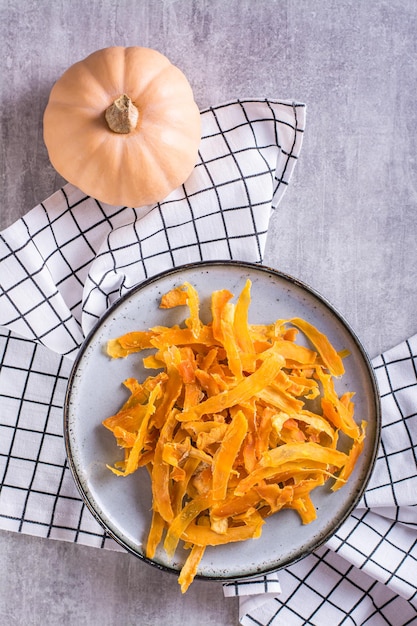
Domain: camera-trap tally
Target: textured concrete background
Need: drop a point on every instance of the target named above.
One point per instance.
(347, 224)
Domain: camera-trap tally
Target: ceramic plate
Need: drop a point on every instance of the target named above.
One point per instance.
(122, 505)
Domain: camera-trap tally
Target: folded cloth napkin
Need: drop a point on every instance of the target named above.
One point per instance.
(69, 258)
(65, 262)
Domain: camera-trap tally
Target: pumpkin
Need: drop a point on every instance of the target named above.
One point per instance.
(122, 125)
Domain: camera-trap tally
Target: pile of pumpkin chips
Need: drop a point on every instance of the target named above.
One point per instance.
(225, 425)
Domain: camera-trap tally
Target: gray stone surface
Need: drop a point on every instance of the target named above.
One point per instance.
(347, 224)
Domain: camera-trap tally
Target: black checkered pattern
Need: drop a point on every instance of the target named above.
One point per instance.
(38, 495)
(326, 589)
(266, 584)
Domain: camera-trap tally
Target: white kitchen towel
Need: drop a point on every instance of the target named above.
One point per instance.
(69, 258)
(254, 593)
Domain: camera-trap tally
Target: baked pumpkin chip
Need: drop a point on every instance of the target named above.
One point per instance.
(238, 422)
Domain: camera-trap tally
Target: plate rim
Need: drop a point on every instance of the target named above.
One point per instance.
(197, 265)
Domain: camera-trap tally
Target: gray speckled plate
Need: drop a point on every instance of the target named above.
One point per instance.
(123, 504)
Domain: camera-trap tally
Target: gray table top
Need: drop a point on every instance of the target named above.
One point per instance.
(347, 224)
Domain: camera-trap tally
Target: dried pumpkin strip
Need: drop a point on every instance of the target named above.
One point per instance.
(135, 388)
(225, 455)
(286, 471)
(129, 343)
(173, 298)
(132, 411)
(193, 303)
(248, 450)
(127, 418)
(303, 452)
(153, 361)
(208, 382)
(303, 386)
(205, 361)
(275, 496)
(314, 421)
(332, 412)
(305, 508)
(180, 523)
(190, 567)
(173, 453)
(240, 322)
(139, 446)
(182, 337)
(277, 397)
(184, 294)
(219, 299)
(192, 395)
(229, 340)
(217, 434)
(172, 388)
(244, 390)
(291, 432)
(296, 353)
(187, 364)
(196, 427)
(205, 536)
(263, 428)
(234, 505)
(305, 484)
(339, 413)
(155, 534)
(320, 341)
(160, 480)
(353, 456)
(134, 455)
(180, 488)
(124, 438)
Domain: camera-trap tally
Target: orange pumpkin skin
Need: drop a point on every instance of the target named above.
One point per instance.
(135, 168)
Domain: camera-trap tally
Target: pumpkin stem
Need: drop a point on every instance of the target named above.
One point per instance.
(122, 115)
